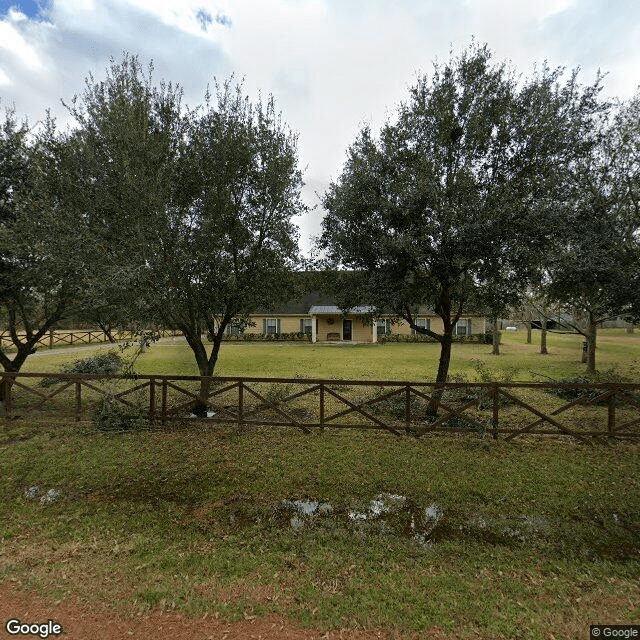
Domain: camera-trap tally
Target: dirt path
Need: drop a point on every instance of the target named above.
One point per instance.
(79, 622)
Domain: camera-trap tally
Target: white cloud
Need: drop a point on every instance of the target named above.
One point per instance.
(332, 65)
(4, 78)
(16, 45)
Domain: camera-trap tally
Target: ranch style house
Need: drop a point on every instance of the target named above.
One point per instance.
(327, 322)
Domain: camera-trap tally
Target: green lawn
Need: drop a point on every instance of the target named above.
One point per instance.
(390, 361)
(532, 539)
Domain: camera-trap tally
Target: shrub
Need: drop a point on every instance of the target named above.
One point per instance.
(484, 374)
(276, 392)
(481, 338)
(111, 415)
(296, 336)
(396, 406)
(611, 375)
(107, 363)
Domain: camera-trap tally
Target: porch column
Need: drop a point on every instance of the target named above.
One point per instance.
(314, 337)
(375, 331)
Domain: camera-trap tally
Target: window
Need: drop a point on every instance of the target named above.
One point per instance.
(270, 326)
(383, 327)
(425, 323)
(234, 328)
(305, 325)
(463, 328)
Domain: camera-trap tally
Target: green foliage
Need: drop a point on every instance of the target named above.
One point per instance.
(593, 268)
(611, 375)
(449, 207)
(111, 415)
(196, 208)
(481, 338)
(102, 363)
(44, 233)
(296, 336)
(276, 392)
(484, 374)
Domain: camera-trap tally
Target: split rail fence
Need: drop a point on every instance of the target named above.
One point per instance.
(54, 338)
(502, 410)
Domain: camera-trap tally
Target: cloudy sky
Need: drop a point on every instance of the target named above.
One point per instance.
(332, 65)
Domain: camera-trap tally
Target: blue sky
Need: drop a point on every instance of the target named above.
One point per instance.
(332, 65)
(29, 7)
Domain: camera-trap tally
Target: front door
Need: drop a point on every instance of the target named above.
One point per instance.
(346, 329)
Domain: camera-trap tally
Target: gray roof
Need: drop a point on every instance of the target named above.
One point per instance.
(329, 309)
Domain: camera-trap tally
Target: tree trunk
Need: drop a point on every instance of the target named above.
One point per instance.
(630, 327)
(543, 337)
(591, 347)
(12, 366)
(443, 373)
(206, 364)
(528, 332)
(496, 338)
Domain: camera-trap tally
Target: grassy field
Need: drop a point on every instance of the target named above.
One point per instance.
(479, 539)
(390, 361)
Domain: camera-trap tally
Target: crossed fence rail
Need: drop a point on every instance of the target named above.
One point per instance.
(54, 338)
(600, 411)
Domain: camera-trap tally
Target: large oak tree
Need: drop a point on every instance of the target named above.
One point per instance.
(452, 205)
(195, 206)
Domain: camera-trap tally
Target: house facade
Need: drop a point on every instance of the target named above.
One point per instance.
(328, 323)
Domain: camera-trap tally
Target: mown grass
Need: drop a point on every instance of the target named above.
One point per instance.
(188, 519)
(390, 361)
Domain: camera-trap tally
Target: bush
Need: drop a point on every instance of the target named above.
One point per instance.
(111, 415)
(276, 392)
(480, 338)
(396, 406)
(611, 375)
(108, 363)
(296, 336)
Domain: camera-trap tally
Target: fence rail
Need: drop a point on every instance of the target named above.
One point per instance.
(53, 338)
(504, 410)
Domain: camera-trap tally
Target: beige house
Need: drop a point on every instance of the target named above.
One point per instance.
(328, 323)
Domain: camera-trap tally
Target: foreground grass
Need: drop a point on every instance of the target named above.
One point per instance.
(391, 361)
(189, 520)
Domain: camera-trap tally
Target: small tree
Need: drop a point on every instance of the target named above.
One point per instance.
(594, 272)
(229, 246)
(42, 234)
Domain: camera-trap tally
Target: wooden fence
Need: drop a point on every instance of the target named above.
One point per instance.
(502, 410)
(53, 338)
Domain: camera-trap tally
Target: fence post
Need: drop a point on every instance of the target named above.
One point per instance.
(322, 406)
(611, 415)
(8, 400)
(407, 409)
(78, 400)
(50, 338)
(240, 403)
(496, 405)
(164, 400)
(152, 401)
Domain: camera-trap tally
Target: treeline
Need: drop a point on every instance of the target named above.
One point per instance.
(484, 188)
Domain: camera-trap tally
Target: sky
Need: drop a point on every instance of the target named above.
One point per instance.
(332, 66)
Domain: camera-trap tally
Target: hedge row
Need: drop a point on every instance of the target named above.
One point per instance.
(296, 336)
(480, 338)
